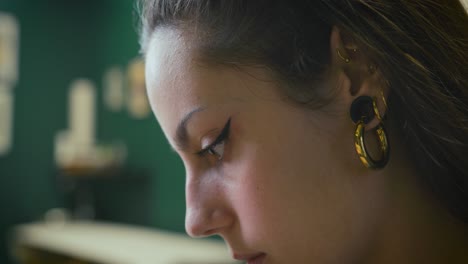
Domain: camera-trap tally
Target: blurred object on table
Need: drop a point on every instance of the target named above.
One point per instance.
(114, 194)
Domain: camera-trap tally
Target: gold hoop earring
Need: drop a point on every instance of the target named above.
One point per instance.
(376, 110)
(361, 149)
(362, 112)
(347, 60)
(383, 99)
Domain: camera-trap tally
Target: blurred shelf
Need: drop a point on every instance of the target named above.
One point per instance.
(100, 242)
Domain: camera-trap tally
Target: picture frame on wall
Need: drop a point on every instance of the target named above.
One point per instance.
(9, 46)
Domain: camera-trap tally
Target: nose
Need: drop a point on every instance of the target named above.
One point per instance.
(207, 212)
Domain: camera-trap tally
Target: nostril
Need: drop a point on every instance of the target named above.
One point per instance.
(210, 232)
(197, 230)
(199, 224)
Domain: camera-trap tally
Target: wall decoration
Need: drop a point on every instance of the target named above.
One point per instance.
(6, 119)
(9, 44)
(113, 84)
(137, 103)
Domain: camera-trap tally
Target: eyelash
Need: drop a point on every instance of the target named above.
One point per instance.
(223, 136)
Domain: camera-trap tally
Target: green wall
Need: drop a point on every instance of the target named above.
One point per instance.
(59, 42)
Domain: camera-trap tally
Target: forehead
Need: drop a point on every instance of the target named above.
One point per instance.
(179, 82)
(168, 63)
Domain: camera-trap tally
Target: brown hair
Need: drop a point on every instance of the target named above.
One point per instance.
(420, 46)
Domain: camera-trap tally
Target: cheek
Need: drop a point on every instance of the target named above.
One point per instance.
(283, 188)
(265, 188)
(248, 191)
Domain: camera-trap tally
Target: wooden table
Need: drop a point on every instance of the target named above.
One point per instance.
(106, 243)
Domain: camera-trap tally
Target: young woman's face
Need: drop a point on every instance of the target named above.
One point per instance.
(273, 179)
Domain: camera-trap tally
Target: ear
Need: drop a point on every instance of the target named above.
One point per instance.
(363, 77)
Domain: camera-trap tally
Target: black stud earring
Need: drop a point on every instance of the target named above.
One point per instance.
(362, 109)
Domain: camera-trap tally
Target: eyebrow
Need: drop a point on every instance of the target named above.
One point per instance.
(181, 136)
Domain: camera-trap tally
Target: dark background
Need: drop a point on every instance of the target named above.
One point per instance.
(59, 42)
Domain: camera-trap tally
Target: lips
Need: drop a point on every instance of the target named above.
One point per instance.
(257, 258)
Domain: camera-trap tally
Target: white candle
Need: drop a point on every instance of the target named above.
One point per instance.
(82, 113)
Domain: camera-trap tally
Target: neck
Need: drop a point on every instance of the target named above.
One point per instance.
(416, 228)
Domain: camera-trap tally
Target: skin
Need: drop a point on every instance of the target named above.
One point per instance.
(289, 183)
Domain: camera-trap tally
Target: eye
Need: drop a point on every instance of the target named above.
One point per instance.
(217, 147)
(217, 150)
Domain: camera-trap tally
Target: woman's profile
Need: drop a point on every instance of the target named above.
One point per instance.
(317, 131)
